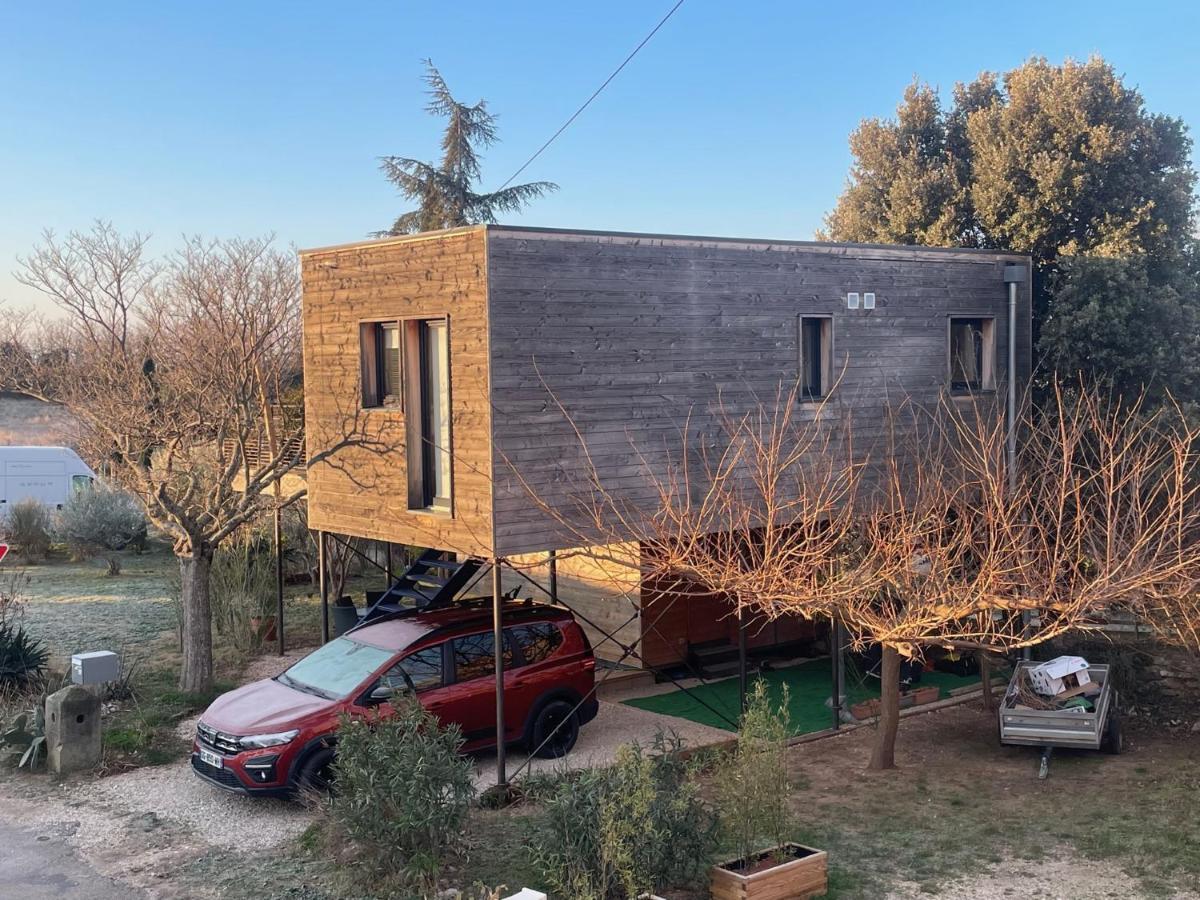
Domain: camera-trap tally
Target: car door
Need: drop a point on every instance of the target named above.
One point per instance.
(537, 671)
(471, 699)
(422, 672)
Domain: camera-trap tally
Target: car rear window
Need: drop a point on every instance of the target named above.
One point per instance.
(537, 640)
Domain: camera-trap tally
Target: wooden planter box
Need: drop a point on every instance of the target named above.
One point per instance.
(869, 709)
(925, 695)
(804, 875)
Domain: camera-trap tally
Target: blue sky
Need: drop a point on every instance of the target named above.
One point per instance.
(255, 117)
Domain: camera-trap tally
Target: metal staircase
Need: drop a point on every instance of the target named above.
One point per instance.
(430, 582)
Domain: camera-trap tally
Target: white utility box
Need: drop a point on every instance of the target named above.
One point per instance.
(96, 667)
(1059, 674)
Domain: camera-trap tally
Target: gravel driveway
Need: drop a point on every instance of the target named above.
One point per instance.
(599, 740)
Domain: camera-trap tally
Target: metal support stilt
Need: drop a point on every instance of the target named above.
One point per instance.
(387, 565)
(837, 641)
(553, 576)
(498, 634)
(323, 585)
(279, 579)
(741, 624)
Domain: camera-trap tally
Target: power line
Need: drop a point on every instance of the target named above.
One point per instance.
(588, 101)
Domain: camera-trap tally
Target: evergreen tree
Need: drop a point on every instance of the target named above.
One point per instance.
(444, 193)
(1058, 162)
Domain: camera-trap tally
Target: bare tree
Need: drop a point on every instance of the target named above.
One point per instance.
(923, 538)
(175, 370)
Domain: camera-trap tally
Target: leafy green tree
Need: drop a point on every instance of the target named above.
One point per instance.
(1054, 161)
(1105, 309)
(444, 193)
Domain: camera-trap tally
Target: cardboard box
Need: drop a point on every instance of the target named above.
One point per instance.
(1059, 674)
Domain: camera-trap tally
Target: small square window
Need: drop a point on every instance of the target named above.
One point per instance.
(816, 356)
(382, 382)
(972, 354)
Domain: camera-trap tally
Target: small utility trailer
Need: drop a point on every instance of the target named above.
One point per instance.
(1099, 729)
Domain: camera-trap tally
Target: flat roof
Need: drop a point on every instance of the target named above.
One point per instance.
(542, 232)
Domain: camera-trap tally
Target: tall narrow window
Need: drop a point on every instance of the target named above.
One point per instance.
(381, 365)
(427, 376)
(972, 354)
(816, 356)
(390, 362)
(435, 407)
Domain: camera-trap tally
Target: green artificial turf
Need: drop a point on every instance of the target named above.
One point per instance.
(808, 683)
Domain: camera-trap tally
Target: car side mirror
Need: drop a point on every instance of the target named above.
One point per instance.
(381, 693)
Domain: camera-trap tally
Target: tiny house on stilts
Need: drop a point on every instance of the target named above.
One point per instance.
(499, 371)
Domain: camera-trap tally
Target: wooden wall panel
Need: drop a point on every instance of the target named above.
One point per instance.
(636, 337)
(362, 490)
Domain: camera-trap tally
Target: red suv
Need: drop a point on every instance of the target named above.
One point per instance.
(275, 735)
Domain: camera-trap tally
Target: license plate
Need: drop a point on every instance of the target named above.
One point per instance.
(212, 759)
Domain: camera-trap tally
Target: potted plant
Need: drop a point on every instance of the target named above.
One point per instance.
(753, 800)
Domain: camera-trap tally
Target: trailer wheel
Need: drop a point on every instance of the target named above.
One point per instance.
(1113, 741)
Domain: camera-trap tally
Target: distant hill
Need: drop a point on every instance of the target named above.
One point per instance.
(24, 420)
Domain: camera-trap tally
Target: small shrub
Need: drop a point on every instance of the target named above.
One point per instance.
(752, 786)
(242, 587)
(402, 795)
(12, 596)
(23, 659)
(101, 520)
(27, 528)
(634, 827)
(23, 740)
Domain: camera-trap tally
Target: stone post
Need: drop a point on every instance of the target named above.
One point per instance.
(72, 730)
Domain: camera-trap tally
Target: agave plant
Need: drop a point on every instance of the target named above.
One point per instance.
(24, 739)
(23, 658)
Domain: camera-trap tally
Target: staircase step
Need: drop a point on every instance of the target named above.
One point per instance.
(714, 652)
(723, 669)
(413, 593)
(445, 564)
(433, 580)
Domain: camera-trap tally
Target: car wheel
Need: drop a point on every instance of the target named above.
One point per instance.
(317, 772)
(555, 730)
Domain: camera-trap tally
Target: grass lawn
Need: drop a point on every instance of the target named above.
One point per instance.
(74, 606)
(808, 687)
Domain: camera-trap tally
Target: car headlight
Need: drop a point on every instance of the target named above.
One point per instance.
(259, 741)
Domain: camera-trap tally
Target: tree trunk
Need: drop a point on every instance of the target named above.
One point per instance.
(884, 754)
(196, 675)
(985, 673)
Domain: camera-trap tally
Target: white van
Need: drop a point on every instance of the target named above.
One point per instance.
(46, 474)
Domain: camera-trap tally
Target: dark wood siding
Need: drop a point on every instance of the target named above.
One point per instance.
(364, 491)
(633, 335)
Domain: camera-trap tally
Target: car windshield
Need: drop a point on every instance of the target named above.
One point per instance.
(336, 669)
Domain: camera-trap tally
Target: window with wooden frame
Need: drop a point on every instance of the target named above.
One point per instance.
(426, 346)
(816, 356)
(971, 354)
(382, 366)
